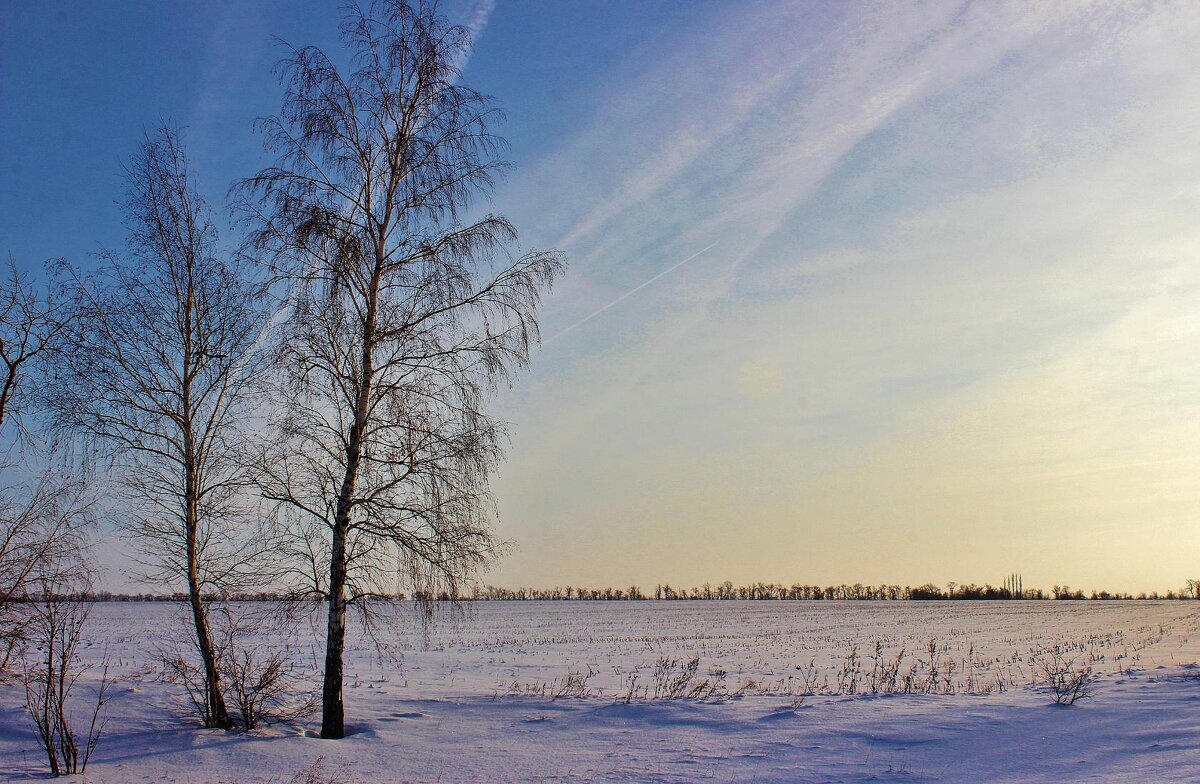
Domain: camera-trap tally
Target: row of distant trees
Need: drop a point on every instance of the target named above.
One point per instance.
(724, 591)
(798, 592)
(306, 406)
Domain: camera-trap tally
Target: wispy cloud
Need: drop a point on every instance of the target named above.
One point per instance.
(474, 17)
(954, 279)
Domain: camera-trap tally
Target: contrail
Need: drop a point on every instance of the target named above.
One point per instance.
(626, 295)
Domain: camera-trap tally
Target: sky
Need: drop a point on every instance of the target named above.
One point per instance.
(858, 292)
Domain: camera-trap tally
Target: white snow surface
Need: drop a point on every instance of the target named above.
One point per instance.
(471, 700)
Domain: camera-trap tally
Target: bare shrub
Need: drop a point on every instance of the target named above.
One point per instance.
(934, 675)
(316, 773)
(51, 677)
(810, 678)
(573, 684)
(631, 688)
(711, 687)
(849, 673)
(672, 679)
(1068, 681)
(262, 688)
(178, 670)
(885, 670)
(259, 687)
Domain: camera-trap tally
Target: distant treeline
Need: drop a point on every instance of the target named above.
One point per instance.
(725, 591)
(1011, 589)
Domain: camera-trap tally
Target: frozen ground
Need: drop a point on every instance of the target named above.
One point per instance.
(473, 700)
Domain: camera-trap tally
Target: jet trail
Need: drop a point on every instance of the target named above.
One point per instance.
(626, 295)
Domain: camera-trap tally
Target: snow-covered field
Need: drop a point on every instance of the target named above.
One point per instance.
(782, 691)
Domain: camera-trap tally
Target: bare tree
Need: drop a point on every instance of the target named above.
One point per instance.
(43, 515)
(160, 377)
(401, 316)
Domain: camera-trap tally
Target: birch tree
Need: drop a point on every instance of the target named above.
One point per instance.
(402, 316)
(160, 378)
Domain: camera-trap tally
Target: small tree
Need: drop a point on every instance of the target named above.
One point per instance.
(160, 376)
(397, 324)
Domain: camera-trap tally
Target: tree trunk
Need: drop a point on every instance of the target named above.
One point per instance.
(333, 713)
(218, 714)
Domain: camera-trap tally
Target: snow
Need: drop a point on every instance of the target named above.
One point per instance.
(445, 705)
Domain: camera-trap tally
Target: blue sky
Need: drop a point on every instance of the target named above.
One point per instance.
(82, 81)
(943, 325)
